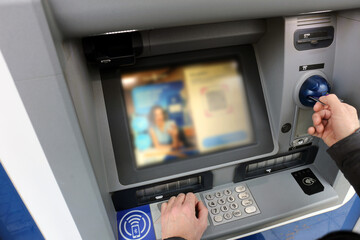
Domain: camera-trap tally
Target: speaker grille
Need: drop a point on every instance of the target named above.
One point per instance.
(313, 20)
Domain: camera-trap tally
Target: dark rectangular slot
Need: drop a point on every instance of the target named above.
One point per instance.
(134, 197)
(313, 38)
(166, 190)
(281, 162)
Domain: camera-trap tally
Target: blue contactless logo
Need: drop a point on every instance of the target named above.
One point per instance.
(135, 224)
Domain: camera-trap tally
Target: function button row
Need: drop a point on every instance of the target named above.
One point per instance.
(250, 209)
(240, 189)
(243, 195)
(247, 202)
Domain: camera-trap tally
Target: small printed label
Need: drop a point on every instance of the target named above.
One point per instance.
(311, 67)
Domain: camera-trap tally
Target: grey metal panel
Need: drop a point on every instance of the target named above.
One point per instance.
(29, 51)
(52, 115)
(346, 71)
(205, 36)
(270, 57)
(79, 80)
(86, 17)
(20, 40)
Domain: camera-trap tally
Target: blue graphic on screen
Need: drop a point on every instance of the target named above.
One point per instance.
(165, 95)
(135, 224)
(223, 139)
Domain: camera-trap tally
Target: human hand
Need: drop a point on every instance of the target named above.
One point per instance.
(178, 217)
(334, 121)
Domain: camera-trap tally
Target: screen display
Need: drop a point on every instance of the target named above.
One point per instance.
(183, 111)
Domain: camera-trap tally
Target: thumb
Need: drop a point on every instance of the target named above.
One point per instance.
(332, 101)
(202, 213)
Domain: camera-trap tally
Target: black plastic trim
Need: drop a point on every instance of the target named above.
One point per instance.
(316, 38)
(127, 198)
(308, 157)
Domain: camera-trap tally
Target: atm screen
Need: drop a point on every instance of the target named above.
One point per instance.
(183, 111)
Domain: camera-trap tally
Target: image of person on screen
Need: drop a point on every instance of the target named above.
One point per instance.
(164, 132)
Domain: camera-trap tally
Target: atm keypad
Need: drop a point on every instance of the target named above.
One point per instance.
(230, 204)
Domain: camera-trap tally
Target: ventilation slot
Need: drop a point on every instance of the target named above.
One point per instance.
(313, 20)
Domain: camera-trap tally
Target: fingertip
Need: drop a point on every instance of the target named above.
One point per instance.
(171, 201)
(190, 199)
(317, 107)
(180, 199)
(316, 118)
(163, 207)
(311, 130)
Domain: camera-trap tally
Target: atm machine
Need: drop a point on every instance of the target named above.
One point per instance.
(134, 102)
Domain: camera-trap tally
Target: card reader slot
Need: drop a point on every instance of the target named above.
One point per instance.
(316, 39)
(313, 38)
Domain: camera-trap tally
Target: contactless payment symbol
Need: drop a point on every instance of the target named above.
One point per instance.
(135, 224)
(308, 181)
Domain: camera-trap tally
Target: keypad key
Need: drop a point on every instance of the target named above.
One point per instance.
(250, 209)
(211, 204)
(209, 196)
(218, 194)
(227, 216)
(221, 201)
(240, 189)
(215, 211)
(243, 195)
(237, 213)
(234, 206)
(218, 218)
(230, 199)
(247, 202)
(227, 192)
(224, 208)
